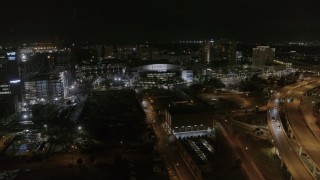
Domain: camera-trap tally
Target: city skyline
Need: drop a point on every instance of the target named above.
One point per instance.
(180, 111)
(139, 21)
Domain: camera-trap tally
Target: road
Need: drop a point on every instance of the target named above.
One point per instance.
(293, 162)
(307, 110)
(239, 150)
(251, 129)
(167, 149)
(309, 142)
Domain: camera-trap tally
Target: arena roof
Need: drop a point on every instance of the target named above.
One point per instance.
(154, 65)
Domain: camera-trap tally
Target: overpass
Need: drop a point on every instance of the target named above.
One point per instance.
(289, 157)
(300, 129)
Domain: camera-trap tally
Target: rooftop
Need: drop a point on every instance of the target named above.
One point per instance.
(187, 108)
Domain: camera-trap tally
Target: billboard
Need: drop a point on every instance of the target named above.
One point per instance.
(11, 56)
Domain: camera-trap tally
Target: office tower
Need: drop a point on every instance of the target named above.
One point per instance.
(221, 51)
(225, 51)
(262, 55)
(10, 87)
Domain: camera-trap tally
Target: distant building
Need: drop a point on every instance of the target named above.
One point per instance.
(10, 83)
(44, 47)
(145, 52)
(262, 55)
(8, 100)
(3, 61)
(220, 51)
(187, 75)
(26, 53)
(154, 73)
(208, 51)
(238, 55)
(225, 51)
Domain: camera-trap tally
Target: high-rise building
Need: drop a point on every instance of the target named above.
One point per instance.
(44, 58)
(10, 87)
(145, 52)
(225, 50)
(3, 60)
(219, 51)
(262, 55)
(208, 51)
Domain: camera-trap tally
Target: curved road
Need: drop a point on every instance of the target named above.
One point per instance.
(293, 162)
(309, 142)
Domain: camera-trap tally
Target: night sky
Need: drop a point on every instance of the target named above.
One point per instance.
(159, 20)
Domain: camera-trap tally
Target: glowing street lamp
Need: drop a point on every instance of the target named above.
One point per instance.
(73, 148)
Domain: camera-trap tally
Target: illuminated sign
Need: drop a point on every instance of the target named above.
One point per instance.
(11, 56)
(15, 81)
(159, 67)
(11, 53)
(5, 89)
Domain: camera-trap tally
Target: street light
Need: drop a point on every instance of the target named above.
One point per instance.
(73, 149)
(79, 128)
(45, 126)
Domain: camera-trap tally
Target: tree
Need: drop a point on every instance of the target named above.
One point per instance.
(250, 86)
(92, 158)
(255, 78)
(79, 161)
(197, 87)
(204, 78)
(214, 83)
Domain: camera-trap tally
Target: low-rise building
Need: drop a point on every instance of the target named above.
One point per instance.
(183, 120)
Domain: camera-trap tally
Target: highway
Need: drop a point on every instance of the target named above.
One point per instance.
(248, 166)
(307, 110)
(309, 142)
(166, 149)
(293, 162)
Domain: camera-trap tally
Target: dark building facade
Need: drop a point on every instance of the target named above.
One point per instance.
(10, 83)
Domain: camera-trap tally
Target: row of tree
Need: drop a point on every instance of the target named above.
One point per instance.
(252, 84)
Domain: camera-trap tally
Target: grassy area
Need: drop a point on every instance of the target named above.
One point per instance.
(253, 119)
(262, 153)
